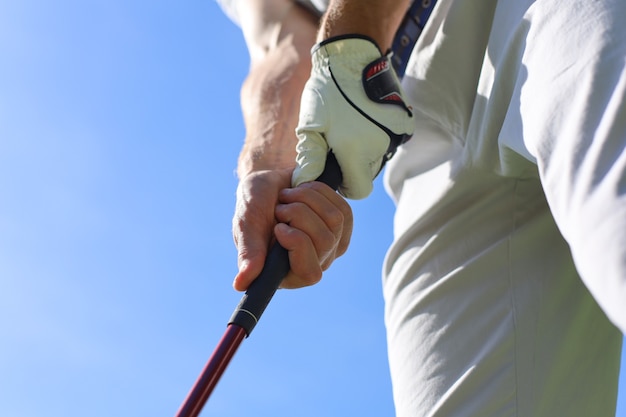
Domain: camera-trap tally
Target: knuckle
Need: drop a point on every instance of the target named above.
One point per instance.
(311, 277)
(237, 226)
(326, 240)
(346, 209)
(287, 212)
(335, 219)
(281, 211)
(327, 262)
(341, 249)
(294, 280)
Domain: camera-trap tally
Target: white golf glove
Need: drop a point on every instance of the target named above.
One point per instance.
(353, 106)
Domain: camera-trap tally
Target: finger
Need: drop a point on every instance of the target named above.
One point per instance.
(302, 218)
(305, 265)
(252, 232)
(253, 223)
(360, 164)
(311, 159)
(251, 251)
(328, 205)
(341, 203)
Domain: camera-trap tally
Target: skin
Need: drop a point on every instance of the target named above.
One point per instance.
(377, 19)
(311, 221)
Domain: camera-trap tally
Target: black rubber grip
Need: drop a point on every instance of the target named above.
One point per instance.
(262, 289)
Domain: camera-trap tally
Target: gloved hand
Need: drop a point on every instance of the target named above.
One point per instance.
(353, 106)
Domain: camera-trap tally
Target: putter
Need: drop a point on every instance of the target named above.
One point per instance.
(257, 297)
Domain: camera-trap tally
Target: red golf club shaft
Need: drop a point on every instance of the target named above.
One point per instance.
(212, 371)
(261, 291)
(248, 312)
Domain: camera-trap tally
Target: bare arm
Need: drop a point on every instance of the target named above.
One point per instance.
(311, 221)
(378, 19)
(279, 36)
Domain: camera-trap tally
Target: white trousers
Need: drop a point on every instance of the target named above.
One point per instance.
(511, 190)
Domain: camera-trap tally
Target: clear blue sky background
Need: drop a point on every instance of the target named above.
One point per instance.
(119, 134)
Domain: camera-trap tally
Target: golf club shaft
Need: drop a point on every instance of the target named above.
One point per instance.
(261, 291)
(212, 371)
(248, 312)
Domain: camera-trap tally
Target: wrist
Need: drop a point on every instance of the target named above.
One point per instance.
(376, 19)
(257, 159)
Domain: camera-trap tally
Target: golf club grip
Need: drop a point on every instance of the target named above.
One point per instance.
(262, 289)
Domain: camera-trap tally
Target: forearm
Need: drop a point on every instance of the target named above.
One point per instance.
(377, 19)
(279, 36)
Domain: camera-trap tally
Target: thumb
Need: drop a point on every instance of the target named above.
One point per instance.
(251, 254)
(312, 150)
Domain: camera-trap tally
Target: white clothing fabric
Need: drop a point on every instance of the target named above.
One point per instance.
(230, 7)
(519, 141)
(512, 189)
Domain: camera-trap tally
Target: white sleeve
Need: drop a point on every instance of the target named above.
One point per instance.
(316, 6)
(574, 111)
(230, 7)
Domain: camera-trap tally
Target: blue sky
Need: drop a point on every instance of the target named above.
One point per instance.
(119, 135)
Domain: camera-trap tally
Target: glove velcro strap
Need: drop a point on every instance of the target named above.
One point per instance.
(362, 55)
(381, 84)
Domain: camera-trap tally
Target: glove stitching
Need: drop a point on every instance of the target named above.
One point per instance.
(395, 140)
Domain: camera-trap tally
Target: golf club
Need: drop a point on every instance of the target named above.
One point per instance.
(262, 289)
(248, 312)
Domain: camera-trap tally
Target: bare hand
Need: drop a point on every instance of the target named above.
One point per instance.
(311, 221)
